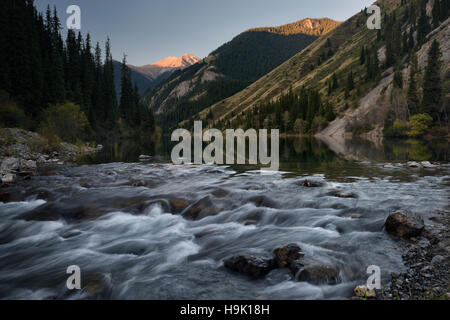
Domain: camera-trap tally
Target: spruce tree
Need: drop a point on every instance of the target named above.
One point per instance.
(432, 86)
(412, 97)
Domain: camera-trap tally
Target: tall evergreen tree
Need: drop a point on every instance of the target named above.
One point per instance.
(412, 97)
(432, 86)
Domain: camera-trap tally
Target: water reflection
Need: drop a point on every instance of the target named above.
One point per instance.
(295, 153)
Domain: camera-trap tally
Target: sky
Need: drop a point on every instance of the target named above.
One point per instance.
(150, 30)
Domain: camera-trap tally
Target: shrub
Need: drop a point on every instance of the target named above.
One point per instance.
(420, 124)
(11, 115)
(65, 121)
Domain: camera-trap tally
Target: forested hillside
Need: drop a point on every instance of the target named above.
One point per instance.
(47, 80)
(372, 79)
(230, 68)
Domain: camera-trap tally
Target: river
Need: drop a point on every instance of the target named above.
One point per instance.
(129, 225)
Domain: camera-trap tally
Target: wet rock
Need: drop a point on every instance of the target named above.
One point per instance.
(220, 193)
(319, 274)
(96, 284)
(388, 166)
(254, 267)
(343, 194)
(413, 164)
(138, 183)
(178, 205)
(10, 165)
(405, 224)
(263, 201)
(288, 254)
(428, 165)
(9, 178)
(201, 209)
(144, 157)
(311, 184)
(365, 292)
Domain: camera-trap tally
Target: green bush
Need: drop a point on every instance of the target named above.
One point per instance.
(11, 115)
(66, 122)
(420, 124)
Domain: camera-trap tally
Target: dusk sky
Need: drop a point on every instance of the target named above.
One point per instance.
(150, 30)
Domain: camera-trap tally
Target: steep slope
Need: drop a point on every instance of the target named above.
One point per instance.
(230, 69)
(364, 107)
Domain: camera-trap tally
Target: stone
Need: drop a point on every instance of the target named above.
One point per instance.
(405, 225)
(319, 274)
(263, 201)
(9, 178)
(28, 165)
(178, 205)
(201, 209)
(388, 166)
(343, 194)
(10, 165)
(428, 165)
(365, 292)
(311, 184)
(254, 267)
(138, 183)
(437, 259)
(286, 255)
(144, 157)
(413, 164)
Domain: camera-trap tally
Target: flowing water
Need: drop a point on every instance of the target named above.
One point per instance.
(127, 227)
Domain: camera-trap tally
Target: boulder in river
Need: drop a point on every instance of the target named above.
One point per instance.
(318, 274)
(288, 254)
(404, 224)
(255, 267)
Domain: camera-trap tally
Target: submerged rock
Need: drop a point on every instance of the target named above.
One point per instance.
(254, 267)
(263, 201)
(178, 205)
(311, 184)
(287, 255)
(343, 194)
(404, 224)
(319, 274)
(201, 209)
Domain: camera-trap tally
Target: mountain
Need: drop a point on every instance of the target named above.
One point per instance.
(149, 76)
(231, 68)
(363, 75)
(163, 68)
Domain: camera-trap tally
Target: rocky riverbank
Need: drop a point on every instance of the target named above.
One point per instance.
(427, 257)
(428, 261)
(22, 152)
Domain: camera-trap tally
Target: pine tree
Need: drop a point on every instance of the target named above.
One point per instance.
(436, 13)
(432, 86)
